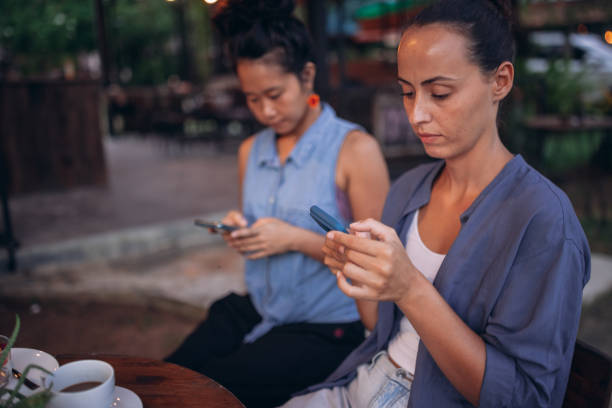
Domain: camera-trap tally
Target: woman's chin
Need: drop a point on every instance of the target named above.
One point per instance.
(435, 152)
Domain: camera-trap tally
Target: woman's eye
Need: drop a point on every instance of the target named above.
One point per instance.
(407, 94)
(252, 100)
(275, 96)
(440, 96)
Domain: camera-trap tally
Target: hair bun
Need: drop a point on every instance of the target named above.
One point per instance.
(237, 16)
(504, 7)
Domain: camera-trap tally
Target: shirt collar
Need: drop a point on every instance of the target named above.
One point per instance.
(423, 192)
(306, 143)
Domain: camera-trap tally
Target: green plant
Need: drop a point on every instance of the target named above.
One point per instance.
(12, 398)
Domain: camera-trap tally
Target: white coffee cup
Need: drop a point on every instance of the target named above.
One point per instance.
(6, 366)
(78, 372)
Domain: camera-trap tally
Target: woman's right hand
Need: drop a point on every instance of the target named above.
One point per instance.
(378, 267)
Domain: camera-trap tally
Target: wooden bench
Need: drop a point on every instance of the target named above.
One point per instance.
(590, 382)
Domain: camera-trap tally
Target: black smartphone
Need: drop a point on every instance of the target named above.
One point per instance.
(326, 221)
(215, 225)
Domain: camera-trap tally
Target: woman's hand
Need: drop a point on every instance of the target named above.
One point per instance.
(379, 268)
(234, 218)
(267, 236)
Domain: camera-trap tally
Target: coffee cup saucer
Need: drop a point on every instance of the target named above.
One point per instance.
(22, 357)
(124, 398)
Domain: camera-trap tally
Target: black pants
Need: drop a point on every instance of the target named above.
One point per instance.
(266, 372)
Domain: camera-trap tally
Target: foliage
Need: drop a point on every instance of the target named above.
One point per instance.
(557, 92)
(143, 37)
(43, 34)
(12, 398)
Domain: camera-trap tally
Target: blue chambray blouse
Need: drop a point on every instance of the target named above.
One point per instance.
(514, 275)
(293, 287)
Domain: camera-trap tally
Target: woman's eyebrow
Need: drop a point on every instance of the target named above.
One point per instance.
(428, 81)
(265, 91)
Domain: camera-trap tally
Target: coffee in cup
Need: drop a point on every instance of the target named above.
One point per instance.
(83, 383)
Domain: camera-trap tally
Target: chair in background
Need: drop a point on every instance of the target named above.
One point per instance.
(590, 382)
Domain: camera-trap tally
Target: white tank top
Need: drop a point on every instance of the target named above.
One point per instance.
(404, 346)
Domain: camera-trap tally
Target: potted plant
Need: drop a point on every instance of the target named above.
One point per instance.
(12, 398)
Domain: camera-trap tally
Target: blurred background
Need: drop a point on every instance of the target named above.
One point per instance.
(120, 121)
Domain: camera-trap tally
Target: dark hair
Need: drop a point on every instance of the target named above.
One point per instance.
(486, 24)
(256, 28)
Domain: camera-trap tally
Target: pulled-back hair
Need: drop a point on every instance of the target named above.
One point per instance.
(256, 28)
(486, 25)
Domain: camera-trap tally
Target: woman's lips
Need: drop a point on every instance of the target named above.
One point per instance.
(427, 137)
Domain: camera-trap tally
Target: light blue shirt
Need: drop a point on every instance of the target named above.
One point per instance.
(514, 275)
(293, 287)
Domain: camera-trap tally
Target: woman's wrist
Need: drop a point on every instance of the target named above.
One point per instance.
(293, 238)
(411, 298)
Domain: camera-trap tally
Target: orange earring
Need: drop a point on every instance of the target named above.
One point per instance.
(313, 100)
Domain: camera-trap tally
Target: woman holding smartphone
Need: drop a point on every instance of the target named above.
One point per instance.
(295, 325)
(477, 268)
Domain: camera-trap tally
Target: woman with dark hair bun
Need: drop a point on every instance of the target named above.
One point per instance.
(478, 265)
(295, 325)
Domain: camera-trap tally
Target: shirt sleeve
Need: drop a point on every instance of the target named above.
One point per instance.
(531, 331)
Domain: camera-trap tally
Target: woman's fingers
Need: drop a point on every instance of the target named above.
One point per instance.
(363, 277)
(235, 218)
(377, 229)
(353, 291)
(356, 243)
(257, 255)
(333, 263)
(249, 244)
(332, 251)
(243, 233)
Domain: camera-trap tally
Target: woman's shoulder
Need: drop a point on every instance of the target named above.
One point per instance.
(360, 143)
(245, 147)
(544, 210)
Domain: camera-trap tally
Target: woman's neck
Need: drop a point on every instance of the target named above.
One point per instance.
(308, 118)
(286, 142)
(464, 177)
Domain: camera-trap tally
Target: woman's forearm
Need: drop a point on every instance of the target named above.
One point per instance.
(368, 311)
(307, 242)
(461, 355)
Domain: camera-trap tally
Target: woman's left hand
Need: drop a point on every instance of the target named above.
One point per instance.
(267, 236)
(379, 268)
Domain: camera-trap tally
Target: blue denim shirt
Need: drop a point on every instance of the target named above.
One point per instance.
(514, 275)
(293, 287)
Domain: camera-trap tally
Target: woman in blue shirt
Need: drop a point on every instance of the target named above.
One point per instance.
(474, 277)
(295, 325)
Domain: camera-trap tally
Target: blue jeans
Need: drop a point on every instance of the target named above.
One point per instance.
(377, 385)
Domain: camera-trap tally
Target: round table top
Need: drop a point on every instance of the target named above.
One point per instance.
(162, 384)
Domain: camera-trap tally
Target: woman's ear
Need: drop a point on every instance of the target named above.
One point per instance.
(308, 75)
(503, 79)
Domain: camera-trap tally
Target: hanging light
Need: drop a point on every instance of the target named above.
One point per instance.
(210, 1)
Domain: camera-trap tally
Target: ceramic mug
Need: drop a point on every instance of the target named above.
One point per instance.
(82, 383)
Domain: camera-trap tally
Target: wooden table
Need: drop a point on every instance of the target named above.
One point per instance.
(161, 384)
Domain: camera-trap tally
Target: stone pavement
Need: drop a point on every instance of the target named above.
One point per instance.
(135, 239)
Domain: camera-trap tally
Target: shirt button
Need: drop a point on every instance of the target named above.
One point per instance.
(271, 200)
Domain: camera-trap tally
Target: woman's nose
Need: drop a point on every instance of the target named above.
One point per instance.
(420, 111)
(268, 109)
